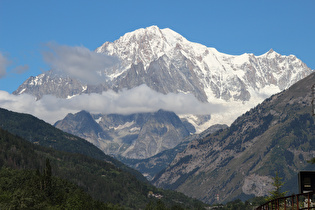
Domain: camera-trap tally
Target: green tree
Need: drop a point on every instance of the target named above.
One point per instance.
(47, 178)
(276, 193)
(160, 205)
(150, 206)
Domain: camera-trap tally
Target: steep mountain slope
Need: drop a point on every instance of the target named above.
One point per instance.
(168, 63)
(42, 133)
(278, 135)
(137, 136)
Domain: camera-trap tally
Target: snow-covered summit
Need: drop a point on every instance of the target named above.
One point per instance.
(150, 44)
(142, 45)
(168, 63)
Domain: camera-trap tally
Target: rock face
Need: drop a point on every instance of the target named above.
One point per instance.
(135, 136)
(150, 167)
(168, 63)
(51, 83)
(278, 135)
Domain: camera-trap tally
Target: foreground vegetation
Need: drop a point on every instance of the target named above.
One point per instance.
(28, 189)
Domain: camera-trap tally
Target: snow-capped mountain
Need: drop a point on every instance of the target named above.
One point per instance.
(168, 63)
(195, 68)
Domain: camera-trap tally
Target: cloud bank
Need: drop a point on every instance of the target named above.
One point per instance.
(139, 99)
(78, 62)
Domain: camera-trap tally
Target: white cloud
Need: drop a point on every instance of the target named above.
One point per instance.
(20, 69)
(78, 62)
(4, 62)
(139, 99)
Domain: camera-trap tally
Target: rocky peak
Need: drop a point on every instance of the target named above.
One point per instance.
(168, 63)
(142, 45)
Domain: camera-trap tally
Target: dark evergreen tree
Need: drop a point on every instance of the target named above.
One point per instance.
(47, 178)
(276, 193)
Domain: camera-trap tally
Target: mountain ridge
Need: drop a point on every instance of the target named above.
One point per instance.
(151, 166)
(240, 161)
(168, 63)
(138, 136)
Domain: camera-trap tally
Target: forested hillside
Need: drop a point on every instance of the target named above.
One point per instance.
(100, 179)
(39, 132)
(30, 189)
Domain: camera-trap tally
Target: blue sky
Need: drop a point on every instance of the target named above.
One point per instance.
(232, 27)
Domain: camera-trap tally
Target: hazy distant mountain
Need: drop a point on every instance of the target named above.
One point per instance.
(168, 63)
(152, 166)
(278, 135)
(136, 136)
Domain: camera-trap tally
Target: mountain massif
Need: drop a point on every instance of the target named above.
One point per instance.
(136, 136)
(166, 62)
(278, 135)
